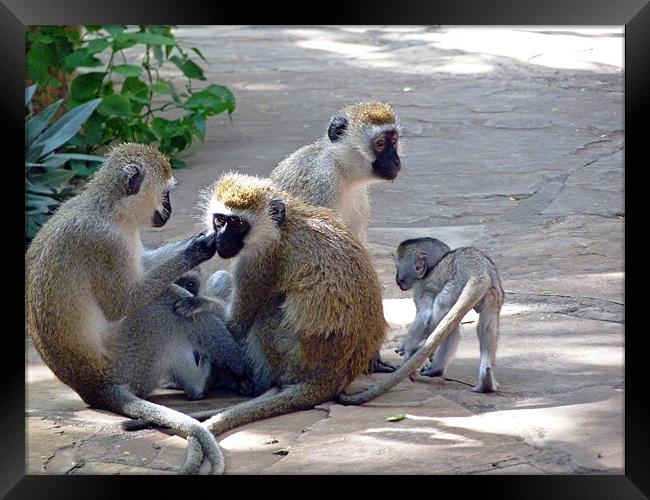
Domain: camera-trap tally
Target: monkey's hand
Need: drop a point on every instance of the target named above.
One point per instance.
(190, 306)
(201, 248)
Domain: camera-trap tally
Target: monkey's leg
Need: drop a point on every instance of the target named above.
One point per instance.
(467, 297)
(488, 332)
(289, 399)
(119, 400)
(443, 356)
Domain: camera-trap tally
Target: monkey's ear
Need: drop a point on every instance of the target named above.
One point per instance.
(134, 177)
(278, 211)
(420, 263)
(337, 128)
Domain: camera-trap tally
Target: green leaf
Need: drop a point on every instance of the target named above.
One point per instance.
(35, 200)
(93, 131)
(124, 41)
(81, 169)
(200, 54)
(37, 187)
(34, 153)
(76, 156)
(97, 45)
(38, 123)
(93, 27)
(176, 163)
(86, 86)
(66, 127)
(115, 105)
(81, 58)
(199, 125)
(212, 100)
(128, 69)
(188, 67)
(396, 418)
(163, 87)
(114, 30)
(153, 39)
(55, 178)
(29, 93)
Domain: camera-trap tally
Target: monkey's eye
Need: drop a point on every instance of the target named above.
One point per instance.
(239, 224)
(379, 143)
(394, 140)
(220, 219)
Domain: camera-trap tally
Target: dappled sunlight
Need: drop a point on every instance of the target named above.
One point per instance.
(559, 49)
(348, 49)
(245, 440)
(402, 311)
(422, 433)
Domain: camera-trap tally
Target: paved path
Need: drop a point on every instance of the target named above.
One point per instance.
(514, 143)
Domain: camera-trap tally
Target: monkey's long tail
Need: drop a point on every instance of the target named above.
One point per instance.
(289, 399)
(118, 400)
(468, 297)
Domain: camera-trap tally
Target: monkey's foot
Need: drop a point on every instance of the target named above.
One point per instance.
(486, 382)
(432, 371)
(379, 366)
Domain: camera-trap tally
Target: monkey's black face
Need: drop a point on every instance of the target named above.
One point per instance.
(387, 163)
(231, 231)
(160, 219)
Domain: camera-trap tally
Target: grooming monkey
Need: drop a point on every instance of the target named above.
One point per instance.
(360, 148)
(445, 291)
(305, 298)
(85, 278)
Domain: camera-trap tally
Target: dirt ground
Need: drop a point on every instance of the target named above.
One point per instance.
(513, 143)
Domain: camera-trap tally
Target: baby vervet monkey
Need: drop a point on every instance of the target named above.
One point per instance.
(446, 284)
(86, 282)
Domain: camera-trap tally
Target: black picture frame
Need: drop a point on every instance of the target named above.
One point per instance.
(15, 15)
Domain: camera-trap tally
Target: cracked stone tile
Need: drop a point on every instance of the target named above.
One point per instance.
(358, 439)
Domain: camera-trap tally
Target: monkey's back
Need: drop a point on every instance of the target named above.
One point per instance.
(308, 174)
(333, 301)
(58, 296)
(467, 262)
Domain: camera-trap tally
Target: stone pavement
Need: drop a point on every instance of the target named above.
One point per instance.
(513, 143)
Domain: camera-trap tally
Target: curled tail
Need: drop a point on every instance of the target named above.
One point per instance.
(468, 297)
(119, 400)
(288, 399)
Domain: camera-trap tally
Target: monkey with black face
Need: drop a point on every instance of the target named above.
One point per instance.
(305, 298)
(361, 148)
(85, 279)
(446, 288)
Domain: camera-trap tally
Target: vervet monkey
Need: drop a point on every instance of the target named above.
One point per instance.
(305, 298)
(361, 148)
(446, 289)
(85, 276)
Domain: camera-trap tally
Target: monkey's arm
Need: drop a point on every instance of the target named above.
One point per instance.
(245, 303)
(151, 256)
(189, 306)
(128, 295)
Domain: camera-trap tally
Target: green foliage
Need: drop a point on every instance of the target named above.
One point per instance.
(109, 98)
(135, 98)
(46, 176)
